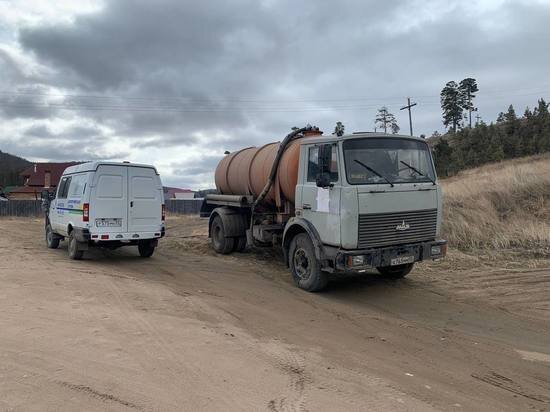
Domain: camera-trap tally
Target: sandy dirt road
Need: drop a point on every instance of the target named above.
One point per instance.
(189, 330)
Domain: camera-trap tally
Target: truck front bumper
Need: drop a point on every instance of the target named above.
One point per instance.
(362, 259)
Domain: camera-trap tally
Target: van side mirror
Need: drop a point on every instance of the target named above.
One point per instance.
(325, 160)
(45, 194)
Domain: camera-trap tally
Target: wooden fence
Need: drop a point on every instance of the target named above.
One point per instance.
(33, 208)
(183, 206)
(24, 208)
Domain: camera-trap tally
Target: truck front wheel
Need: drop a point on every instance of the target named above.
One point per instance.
(306, 270)
(220, 243)
(396, 272)
(52, 241)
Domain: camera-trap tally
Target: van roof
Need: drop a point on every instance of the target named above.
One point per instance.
(92, 166)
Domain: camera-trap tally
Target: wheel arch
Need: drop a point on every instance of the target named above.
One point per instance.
(295, 226)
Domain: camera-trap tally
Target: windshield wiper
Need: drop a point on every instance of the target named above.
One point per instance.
(418, 171)
(370, 169)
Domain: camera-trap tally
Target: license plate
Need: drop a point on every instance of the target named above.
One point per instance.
(111, 222)
(401, 260)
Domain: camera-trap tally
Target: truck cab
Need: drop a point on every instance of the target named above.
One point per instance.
(373, 200)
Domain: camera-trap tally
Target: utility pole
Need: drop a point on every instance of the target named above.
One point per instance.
(478, 118)
(408, 107)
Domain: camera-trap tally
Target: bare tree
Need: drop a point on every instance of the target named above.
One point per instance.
(385, 120)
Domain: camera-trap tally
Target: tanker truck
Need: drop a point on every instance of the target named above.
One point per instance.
(334, 204)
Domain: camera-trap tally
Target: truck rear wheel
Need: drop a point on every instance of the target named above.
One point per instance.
(74, 252)
(240, 244)
(146, 248)
(306, 270)
(220, 243)
(52, 241)
(396, 272)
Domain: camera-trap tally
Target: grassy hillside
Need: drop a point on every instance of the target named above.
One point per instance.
(499, 206)
(10, 167)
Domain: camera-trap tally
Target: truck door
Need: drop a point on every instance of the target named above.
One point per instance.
(145, 200)
(322, 206)
(109, 199)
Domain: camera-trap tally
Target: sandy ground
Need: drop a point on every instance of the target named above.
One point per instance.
(189, 330)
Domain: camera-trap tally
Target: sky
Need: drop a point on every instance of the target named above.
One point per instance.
(176, 83)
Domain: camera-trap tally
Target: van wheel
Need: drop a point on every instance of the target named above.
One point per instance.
(396, 272)
(220, 243)
(306, 270)
(146, 249)
(240, 244)
(74, 253)
(52, 241)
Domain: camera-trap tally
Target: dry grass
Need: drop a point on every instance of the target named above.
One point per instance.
(500, 206)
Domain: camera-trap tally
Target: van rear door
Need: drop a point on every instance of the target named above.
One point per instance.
(109, 199)
(145, 192)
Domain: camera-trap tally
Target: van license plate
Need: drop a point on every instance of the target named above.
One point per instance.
(108, 222)
(401, 260)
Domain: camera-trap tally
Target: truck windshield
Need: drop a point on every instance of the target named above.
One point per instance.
(391, 158)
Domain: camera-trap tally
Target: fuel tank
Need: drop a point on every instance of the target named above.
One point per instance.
(246, 171)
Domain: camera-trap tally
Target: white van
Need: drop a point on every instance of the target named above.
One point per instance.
(107, 204)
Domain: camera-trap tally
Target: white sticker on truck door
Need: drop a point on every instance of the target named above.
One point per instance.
(323, 200)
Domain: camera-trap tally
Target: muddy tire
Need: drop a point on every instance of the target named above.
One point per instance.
(220, 243)
(240, 244)
(396, 272)
(146, 248)
(74, 252)
(305, 268)
(52, 241)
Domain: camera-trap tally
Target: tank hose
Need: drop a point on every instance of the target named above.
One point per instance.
(282, 147)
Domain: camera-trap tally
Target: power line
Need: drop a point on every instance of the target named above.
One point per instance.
(192, 99)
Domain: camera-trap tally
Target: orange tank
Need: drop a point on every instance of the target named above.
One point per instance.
(246, 171)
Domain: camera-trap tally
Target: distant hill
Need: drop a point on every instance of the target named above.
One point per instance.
(10, 167)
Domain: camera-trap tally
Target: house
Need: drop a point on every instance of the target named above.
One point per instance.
(38, 177)
(176, 193)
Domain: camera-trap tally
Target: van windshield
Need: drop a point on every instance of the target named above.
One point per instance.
(390, 159)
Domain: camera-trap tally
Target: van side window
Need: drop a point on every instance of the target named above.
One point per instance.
(78, 184)
(64, 188)
(313, 163)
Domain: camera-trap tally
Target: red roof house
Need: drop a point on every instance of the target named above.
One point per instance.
(177, 193)
(38, 177)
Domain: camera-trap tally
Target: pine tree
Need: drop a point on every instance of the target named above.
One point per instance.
(451, 105)
(467, 88)
(442, 157)
(339, 129)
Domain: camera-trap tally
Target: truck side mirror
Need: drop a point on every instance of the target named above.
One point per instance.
(323, 180)
(325, 159)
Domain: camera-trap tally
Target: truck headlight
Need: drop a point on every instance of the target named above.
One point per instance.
(358, 260)
(436, 250)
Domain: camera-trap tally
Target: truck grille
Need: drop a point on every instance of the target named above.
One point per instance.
(382, 229)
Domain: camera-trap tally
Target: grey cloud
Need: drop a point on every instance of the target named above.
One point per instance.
(61, 151)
